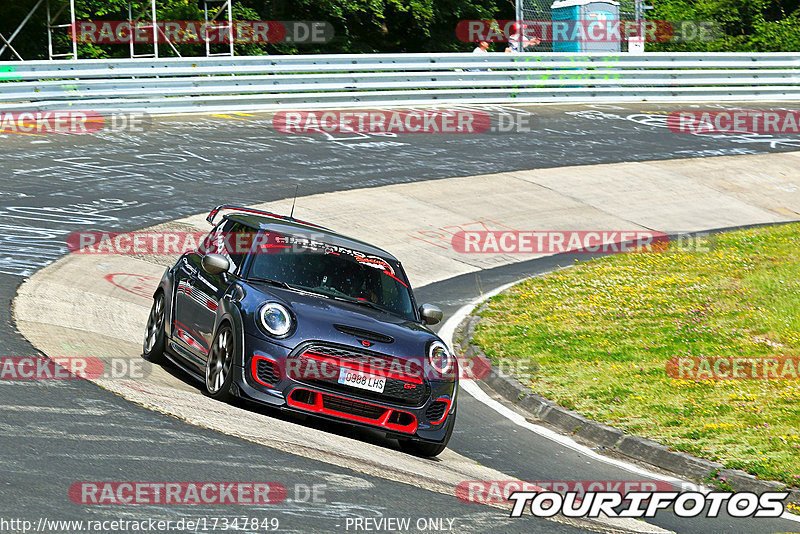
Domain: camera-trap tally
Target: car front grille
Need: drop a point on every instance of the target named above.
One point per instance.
(412, 367)
(400, 388)
(352, 407)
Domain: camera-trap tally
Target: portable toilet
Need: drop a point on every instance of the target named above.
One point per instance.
(585, 26)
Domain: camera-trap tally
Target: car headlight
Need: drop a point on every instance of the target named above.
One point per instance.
(440, 358)
(276, 319)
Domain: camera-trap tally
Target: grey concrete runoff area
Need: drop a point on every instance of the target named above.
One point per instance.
(583, 168)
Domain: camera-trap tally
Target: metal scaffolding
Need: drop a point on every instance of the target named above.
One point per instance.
(53, 26)
(57, 17)
(152, 25)
(224, 8)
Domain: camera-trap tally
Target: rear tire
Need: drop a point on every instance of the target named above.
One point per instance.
(421, 448)
(154, 338)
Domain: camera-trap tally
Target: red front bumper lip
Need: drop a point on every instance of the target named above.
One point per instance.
(315, 404)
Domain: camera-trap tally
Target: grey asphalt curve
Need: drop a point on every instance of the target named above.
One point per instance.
(53, 185)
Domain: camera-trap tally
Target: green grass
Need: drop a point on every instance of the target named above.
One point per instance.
(602, 331)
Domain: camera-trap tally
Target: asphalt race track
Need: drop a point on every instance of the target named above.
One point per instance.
(55, 433)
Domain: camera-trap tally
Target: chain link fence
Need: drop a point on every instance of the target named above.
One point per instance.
(539, 10)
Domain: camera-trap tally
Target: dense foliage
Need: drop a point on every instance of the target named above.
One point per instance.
(748, 25)
(403, 25)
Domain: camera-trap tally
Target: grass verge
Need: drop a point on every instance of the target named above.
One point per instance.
(602, 332)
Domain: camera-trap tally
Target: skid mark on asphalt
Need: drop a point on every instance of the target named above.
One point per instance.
(138, 284)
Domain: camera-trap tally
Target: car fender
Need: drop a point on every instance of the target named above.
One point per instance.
(167, 285)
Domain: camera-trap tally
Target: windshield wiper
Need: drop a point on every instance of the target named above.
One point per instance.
(285, 285)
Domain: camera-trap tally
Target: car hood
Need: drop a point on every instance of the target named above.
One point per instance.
(317, 318)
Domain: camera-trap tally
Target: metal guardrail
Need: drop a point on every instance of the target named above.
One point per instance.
(268, 82)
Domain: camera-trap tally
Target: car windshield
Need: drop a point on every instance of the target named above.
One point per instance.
(333, 271)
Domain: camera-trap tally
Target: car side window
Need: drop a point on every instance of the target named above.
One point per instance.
(209, 245)
(235, 241)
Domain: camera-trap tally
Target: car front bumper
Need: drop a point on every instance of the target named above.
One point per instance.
(426, 421)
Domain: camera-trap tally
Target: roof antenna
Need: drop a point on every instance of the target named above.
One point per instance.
(296, 188)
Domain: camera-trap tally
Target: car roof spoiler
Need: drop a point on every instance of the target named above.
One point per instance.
(213, 214)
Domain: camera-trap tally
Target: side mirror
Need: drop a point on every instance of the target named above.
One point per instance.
(430, 314)
(215, 263)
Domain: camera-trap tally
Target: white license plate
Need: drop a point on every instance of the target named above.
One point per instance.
(348, 377)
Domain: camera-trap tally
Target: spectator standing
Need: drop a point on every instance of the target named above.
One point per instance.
(482, 48)
(517, 42)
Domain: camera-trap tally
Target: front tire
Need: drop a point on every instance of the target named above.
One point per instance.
(420, 448)
(154, 338)
(220, 365)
